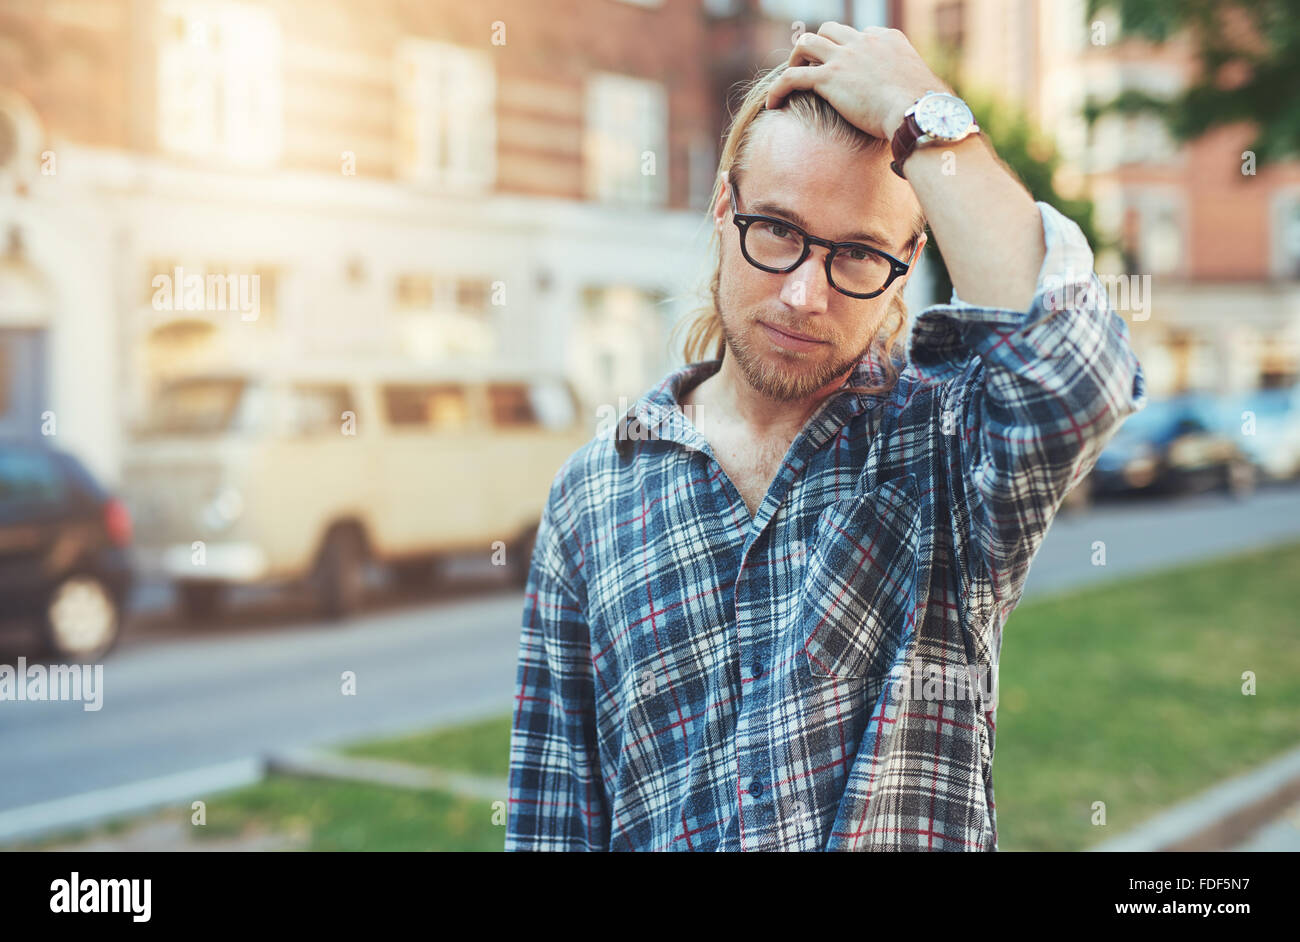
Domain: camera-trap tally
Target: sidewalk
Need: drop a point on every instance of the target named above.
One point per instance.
(1257, 811)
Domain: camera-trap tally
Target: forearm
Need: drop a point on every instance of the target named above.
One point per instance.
(984, 222)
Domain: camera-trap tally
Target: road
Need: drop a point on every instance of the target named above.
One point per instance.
(177, 698)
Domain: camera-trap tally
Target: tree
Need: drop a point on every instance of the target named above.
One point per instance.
(1249, 51)
(1033, 157)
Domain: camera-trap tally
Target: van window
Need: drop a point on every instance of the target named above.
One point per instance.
(542, 404)
(317, 409)
(442, 407)
(200, 406)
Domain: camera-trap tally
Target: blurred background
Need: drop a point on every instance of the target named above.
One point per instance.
(302, 304)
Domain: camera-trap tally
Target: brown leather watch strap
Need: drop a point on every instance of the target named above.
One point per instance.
(904, 143)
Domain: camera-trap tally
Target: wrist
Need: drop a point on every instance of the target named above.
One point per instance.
(894, 118)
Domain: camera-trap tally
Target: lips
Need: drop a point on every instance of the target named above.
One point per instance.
(794, 333)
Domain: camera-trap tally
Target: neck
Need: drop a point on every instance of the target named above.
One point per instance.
(736, 400)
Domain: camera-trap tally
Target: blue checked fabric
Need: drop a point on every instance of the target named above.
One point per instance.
(690, 678)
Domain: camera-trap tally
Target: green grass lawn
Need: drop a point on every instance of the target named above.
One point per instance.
(482, 748)
(356, 816)
(1131, 694)
(347, 816)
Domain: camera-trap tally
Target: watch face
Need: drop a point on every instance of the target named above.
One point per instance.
(944, 116)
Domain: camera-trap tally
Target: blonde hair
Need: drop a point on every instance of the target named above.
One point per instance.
(704, 324)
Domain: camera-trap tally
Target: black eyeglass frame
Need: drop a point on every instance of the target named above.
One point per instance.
(743, 221)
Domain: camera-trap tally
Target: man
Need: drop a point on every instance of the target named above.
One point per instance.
(764, 614)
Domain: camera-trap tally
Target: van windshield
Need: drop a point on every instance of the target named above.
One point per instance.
(199, 406)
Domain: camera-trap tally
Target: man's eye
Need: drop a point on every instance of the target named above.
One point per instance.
(779, 230)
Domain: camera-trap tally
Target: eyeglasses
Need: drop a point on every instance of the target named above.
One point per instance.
(776, 246)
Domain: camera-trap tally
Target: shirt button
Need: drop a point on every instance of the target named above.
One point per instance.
(757, 668)
(755, 788)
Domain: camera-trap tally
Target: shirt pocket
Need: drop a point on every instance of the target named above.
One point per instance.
(860, 585)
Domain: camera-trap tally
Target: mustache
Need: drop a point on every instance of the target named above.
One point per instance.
(796, 331)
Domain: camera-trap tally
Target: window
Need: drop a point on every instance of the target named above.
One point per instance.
(199, 406)
(511, 406)
(1286, 235)
(1161, 250)
(316, 409)
(702, 171)
(1117, 139)
(472, 295)
(950, 24)
(29, 477)
(414, 293)
(446, 115)
(625, 141)
(870, 13)
(442, 293)
(219, 90)
(811, 12)
(721, 8)
(545, 404)
(443, 407)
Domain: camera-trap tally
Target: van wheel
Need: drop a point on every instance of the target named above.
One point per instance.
(201, 601)
(340, 575)
(82, 619)
(414, 575)
(521, 558)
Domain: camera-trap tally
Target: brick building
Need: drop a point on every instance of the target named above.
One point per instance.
(1221, 247)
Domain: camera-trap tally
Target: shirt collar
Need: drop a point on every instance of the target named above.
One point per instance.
(659, 415)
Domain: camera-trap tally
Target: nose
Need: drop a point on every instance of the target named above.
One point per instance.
(806, 288)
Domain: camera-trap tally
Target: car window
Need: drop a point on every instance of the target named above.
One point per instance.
(441, 407)
(28, 477)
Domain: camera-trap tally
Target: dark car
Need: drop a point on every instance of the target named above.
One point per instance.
(64, 551)
(1173, 446)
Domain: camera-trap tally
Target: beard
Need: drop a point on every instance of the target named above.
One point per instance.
(789, 376)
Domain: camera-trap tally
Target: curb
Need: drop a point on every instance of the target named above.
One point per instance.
(1222, 816)
(90, 808)
(312, 763)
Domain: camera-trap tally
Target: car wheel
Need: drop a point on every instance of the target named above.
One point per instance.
(340, 577)
(82, 618)
(1240, 479)
(201, 601)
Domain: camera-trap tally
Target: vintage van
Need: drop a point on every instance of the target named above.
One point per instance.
(313, 473)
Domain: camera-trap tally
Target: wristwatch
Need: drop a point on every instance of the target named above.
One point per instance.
(934, 118)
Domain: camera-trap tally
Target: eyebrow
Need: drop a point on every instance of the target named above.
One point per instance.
(769, 208)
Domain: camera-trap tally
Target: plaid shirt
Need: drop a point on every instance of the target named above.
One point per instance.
(690, 678)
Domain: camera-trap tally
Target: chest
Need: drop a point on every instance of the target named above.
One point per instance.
(751, 466)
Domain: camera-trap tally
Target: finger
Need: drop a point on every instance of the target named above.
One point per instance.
(811, 48)
(792, 79)
(839, 32)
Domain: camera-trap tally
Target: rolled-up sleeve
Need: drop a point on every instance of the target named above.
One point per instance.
(556, 794)
(1031, 398)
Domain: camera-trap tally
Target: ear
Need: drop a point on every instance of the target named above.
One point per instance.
(723, 206)
(916, 257)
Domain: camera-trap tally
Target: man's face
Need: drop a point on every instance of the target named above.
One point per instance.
(836, 195)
